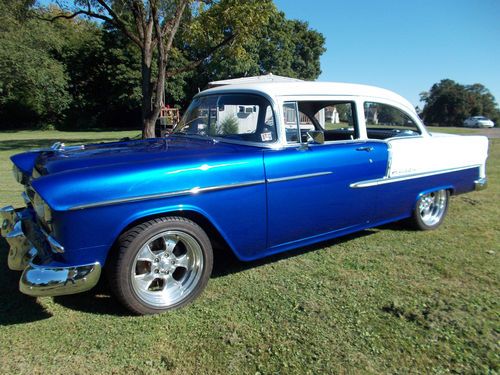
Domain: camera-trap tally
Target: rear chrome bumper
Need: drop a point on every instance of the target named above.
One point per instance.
(481, 184)
(41, 278)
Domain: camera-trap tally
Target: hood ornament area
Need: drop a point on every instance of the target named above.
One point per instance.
(58, 147)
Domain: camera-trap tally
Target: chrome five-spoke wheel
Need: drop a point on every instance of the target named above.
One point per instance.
(431, 209)
(162, 264)
(167, 267)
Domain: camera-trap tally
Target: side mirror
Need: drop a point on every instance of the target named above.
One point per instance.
(315, 137)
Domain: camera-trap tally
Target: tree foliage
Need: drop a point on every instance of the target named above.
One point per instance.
(153, 25)
(449, 103)
(282, 47)
(74, 72)
(33, 83)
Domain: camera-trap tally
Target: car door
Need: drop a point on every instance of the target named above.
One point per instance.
(309, 191)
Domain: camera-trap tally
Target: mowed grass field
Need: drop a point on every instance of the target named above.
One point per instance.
(385, 300)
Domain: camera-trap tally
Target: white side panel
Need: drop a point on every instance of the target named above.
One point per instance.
(435, 153)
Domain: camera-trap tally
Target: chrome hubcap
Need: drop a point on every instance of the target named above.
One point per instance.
(167, 268)
(432, 207)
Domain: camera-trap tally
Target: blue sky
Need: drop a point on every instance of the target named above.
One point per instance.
(405, 46)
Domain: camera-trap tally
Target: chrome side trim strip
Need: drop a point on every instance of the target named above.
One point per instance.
(389, 180)
(178, 193)
(296, 177)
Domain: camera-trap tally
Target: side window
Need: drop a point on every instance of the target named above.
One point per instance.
(338, 116)
(336, 119)
(385, 121)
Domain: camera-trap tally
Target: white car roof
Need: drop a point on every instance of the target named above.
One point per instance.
(307, 88)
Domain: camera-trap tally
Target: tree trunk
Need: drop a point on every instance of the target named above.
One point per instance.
(148, 120)
(148, 128)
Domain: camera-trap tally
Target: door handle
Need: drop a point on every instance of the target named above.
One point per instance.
(366, 148)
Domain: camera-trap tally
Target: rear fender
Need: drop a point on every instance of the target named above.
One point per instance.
(450, 188)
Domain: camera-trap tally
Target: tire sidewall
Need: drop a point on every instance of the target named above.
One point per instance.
(128, 253)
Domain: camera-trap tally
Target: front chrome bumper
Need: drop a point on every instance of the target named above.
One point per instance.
(41, 278)
(40, 281)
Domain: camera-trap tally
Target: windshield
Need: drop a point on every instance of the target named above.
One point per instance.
(230, 116)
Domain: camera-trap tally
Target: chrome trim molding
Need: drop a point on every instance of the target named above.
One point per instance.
(178, 193)
(481, 183)
(19, 248)
(42, 281)
(389, 158)
(389, 180)
(19, 245)
(8, 217)
(296, 177)
(26, 199)
(54, 245)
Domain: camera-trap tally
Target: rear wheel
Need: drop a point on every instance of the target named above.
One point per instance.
(162, 264)
(430, 210)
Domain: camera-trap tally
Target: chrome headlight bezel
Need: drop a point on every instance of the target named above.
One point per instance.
(19, 175)
(42, 210)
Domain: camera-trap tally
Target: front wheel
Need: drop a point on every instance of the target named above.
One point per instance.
(430, 210)
(162, 264)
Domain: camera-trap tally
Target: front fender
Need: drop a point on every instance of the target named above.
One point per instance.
(177, 210)
(98, 228)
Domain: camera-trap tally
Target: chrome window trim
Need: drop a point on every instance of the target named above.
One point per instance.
(298, 176)
(178, 193)
(297, 120)
(271, 145)
(389, 180)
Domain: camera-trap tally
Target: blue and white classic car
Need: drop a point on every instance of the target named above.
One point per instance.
(260, 168)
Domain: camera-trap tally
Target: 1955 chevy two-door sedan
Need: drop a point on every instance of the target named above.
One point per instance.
(260, 168)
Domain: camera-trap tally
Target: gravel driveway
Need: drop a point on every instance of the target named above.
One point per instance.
(490, 133)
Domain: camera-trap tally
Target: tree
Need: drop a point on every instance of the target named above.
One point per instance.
(152, 26)
(33, 83)
(449, 103)
(282, 47)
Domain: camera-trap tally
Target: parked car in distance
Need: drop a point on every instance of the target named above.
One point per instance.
(478, 122)
(257, 168)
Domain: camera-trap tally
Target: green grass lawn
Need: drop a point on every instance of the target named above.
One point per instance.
(385, 300)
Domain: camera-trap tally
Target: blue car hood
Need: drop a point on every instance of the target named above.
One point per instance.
(108, 154)
(125, 170)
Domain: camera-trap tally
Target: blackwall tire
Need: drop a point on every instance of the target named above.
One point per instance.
(160, 265)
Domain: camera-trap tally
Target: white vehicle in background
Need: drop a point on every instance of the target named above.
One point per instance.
(478, 122)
